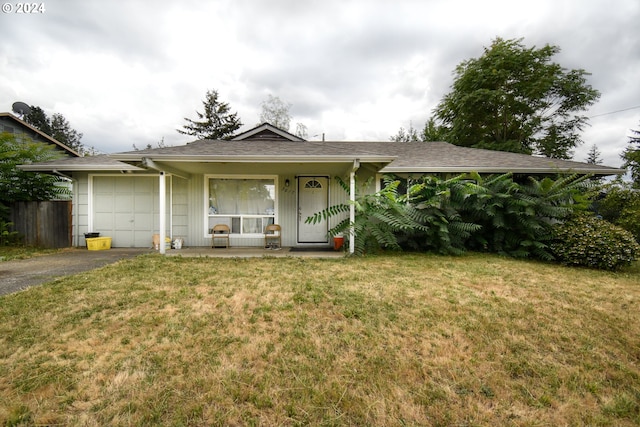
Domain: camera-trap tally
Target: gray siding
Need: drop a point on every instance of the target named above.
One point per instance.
(188, 211)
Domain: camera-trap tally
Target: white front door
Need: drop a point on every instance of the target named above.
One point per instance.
(313, 197)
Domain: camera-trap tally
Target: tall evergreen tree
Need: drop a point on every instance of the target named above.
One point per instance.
(57, 127)
(62, 131)
(631, 157)
(433, 132)
(406, 135)
(38, 119)
(593, 156)
(216, 122)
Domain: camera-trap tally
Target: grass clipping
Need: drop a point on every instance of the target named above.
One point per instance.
(385, 340)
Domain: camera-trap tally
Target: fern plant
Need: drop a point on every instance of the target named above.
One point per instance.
(435, 204)
(516, 219)
(494, 213)
(379, 217)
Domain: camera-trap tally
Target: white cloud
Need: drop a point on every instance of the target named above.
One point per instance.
(128, 72)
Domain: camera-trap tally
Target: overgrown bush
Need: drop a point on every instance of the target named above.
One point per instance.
(592, 242)
(620, 205)
(435, 204)
(18, 185)
(379, 218)
(516, 218)
(494, 214)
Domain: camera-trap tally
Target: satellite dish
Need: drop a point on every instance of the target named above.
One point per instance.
(21, 109)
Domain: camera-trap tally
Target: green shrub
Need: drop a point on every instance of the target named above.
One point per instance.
(592, 242)
(516, 218)
(630, 219)
(434, 204)
(8, 237)
(379, 218)
(621, 206)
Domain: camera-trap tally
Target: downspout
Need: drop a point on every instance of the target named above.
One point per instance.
(352, 205)
(163, 208)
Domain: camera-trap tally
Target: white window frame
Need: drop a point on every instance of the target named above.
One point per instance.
(207, 216)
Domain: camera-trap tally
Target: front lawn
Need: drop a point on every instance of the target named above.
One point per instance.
(383, 340)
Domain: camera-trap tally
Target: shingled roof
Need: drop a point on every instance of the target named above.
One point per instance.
(388, 156)
(397, 157)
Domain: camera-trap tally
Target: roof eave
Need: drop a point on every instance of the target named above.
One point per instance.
(253, 158)
(485, 169)
(80, 168)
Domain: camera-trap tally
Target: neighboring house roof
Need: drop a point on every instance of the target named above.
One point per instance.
(101, 163)
(266, 131)
(9, 123)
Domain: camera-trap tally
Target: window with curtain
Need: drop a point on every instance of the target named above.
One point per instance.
(246, 205)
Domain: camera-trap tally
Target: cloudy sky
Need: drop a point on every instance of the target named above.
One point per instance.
(129, 72)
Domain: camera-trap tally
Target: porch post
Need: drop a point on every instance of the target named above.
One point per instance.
(352, 205)
(163, 208)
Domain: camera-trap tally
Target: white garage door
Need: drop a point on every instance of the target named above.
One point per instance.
(126, 209)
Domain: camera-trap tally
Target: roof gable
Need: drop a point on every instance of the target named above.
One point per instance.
(266, 131)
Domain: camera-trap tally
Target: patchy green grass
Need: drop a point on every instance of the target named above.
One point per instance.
(382, 340)
(8, 253)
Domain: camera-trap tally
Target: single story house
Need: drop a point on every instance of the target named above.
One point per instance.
(260, 177)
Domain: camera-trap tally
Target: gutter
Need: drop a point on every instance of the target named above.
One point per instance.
(486, 169)
(253, 158)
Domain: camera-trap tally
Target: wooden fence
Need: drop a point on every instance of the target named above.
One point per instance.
(43, 224)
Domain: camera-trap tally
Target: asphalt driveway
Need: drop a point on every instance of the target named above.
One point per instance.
(21, 274)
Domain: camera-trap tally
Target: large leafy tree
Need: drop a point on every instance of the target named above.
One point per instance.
(216, 122)
(515, 98)
(17, 185)
(631, 157)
